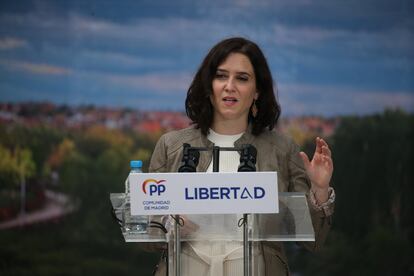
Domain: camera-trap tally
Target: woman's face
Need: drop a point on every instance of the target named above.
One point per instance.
(234, 89)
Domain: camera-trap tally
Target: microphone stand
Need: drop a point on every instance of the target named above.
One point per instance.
(247, 164)
(189, 164)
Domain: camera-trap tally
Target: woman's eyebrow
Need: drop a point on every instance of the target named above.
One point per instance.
(243, 73)
(239, 72)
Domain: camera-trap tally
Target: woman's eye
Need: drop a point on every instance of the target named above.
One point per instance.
(243, 78)
(220, 76)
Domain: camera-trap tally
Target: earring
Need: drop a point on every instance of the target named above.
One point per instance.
(254, 109)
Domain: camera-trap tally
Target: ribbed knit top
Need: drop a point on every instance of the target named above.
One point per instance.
(229, 160)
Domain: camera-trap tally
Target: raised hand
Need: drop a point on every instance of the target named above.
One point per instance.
(319, 169)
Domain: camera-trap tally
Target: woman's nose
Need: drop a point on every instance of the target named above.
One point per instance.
(230, 85)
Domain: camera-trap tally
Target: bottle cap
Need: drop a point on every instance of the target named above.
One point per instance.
(135, 164)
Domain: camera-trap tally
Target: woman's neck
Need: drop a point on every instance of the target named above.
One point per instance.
(229, 127)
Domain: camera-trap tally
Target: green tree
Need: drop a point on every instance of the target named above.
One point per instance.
(9, 175)
(15, 166)
(373, 176)
(41, 141)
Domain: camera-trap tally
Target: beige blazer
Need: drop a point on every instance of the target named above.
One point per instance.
(275, 152)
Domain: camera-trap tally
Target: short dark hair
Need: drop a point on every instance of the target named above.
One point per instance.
(197, 104)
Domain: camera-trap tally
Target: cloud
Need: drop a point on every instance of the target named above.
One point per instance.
(297, 99)
(197, 35)
(35, 68)
(171, 33)
(10, 43)
(285, 35)
(163, 83)
(167, 33)
(185, 33)
(305, 36)
(121, 60)
(128, 54)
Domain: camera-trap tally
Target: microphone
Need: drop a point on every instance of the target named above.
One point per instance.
(247, 158)
(190, 159)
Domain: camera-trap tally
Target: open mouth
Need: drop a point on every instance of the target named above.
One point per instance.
(230, 99)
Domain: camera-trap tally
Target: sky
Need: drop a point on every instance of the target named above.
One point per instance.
(327, 58)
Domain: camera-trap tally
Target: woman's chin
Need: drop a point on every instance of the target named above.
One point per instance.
(232, 115)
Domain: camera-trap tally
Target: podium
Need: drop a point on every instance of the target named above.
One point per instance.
(292, 223)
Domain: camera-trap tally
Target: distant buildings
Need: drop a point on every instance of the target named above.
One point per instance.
(32, 114)
(152, 122)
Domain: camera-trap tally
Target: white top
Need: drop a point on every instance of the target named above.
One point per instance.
(229, 160)
(220, 258)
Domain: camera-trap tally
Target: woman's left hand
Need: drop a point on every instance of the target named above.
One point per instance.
(319, 169)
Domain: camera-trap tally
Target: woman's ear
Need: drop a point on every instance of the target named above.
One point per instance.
(256, 95)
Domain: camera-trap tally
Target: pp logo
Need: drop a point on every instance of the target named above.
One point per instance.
(153, 187)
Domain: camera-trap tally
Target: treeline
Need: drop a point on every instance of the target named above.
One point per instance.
(373, 229)
(86, 165)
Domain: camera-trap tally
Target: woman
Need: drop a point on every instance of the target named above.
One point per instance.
(231, 102)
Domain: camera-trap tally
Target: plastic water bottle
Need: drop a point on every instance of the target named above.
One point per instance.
(133, 224)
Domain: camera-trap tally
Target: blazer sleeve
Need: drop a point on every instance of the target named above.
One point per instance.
(158, 161)
(299, 182)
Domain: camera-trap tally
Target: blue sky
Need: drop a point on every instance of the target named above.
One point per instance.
(327, 57)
